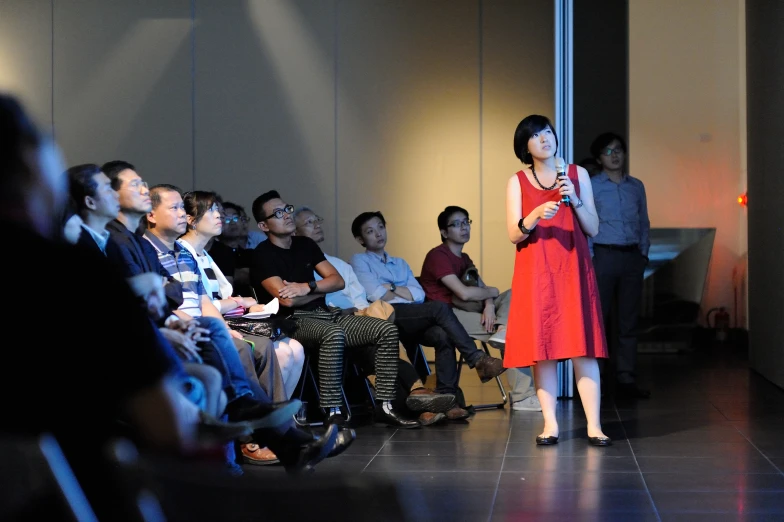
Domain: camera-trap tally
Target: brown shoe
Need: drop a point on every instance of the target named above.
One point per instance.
(423, 399)
(457, 413)
(253, 454)
(427, 418)
(489, 368)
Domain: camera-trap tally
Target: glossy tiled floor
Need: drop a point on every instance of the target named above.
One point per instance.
(708, 445)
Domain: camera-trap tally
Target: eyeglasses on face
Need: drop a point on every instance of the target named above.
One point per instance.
(315, 220)
(460, 224)
(280, 212)
(137, 184)
(609, 152)
(235, 219)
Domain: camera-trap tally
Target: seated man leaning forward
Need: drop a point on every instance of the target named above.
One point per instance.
(432, 407)
(283, 267)
(449, 276)
(390, 278)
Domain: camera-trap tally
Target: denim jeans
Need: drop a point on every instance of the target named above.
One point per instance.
(219, 352)
(433, 323)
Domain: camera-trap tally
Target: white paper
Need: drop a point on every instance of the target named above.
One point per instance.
(269, 309)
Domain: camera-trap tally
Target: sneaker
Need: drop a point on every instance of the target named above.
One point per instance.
(498, 340)
(529, 404)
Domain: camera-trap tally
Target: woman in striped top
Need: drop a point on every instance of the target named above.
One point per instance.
(204, 223)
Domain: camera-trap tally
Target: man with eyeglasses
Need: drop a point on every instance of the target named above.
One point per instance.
(430, 406)
(620, 255)
(232, 250)
(450, 276)
(283, 268)
(432, 323)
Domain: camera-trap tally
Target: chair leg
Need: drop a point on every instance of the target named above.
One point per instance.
(487, 406)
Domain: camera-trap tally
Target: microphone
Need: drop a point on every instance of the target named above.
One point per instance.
(560, 170)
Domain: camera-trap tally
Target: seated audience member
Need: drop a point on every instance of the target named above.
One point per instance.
(448, 275)
(391, 279)
(203, 225)
(139, 389)
(232, 250)
(283, 267)
(96, 203)
(202, 399)
(353, 298)
(165, 223)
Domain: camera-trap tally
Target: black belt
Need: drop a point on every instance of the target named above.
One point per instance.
(619, 248)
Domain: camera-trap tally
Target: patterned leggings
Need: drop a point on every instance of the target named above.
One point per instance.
(350, 331)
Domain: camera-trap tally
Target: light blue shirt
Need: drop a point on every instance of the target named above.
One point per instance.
(353, 294)
(101, 238)
(623, 212)
(373, 271)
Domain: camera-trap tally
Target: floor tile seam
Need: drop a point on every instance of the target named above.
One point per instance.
(781, 471)
(500, 474)
(379, 451)
(639, 469)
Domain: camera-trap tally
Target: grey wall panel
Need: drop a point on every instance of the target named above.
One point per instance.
(408, 117)
(26, 55)
(765, 76)
(517, 80)
(122, 76)
(265, 102)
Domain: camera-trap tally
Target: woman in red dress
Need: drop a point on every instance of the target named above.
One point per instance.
(555, 312)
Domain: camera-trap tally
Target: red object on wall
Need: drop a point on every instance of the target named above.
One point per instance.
(743, 200)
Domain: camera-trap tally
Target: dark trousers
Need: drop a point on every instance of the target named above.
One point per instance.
(433, 323)
(619, 274)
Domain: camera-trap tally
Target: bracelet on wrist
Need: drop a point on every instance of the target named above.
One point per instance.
(579, 204)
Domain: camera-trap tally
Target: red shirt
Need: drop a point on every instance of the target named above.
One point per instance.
(439, 263)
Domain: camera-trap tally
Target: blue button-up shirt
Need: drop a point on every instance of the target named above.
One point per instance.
(374, 270)
(623, 212)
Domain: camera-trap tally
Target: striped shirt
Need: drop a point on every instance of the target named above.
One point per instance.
(216, 284)
(182, 266)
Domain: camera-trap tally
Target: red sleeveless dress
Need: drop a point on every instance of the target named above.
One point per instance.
(555, 312)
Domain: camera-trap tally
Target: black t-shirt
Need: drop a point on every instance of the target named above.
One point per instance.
(295, 265)
(230, 259)
(87, 347)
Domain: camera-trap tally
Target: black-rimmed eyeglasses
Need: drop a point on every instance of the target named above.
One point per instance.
(280, 212)
(609, 152)
(235, 219)
(460, 224)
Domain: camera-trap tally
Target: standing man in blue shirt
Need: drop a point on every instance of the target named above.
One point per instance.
(620, 254)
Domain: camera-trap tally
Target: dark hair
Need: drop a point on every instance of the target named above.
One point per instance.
(235, 207)
(443, 217)
(155, 193)
(603, 140)
(81, 183)
(198, 203)
(258, 204)
(527, 128)
(113, 168)
(69, 210)
(18, 135)
(356, 225)
(591, 165)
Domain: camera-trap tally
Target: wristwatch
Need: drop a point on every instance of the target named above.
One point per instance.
(392, 287)
(522, 228)
(312, 285)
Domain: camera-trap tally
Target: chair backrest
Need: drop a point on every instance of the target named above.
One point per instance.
(37, 482)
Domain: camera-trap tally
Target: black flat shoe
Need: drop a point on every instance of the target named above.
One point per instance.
(600, 441)
(345, 437)
(546, 441)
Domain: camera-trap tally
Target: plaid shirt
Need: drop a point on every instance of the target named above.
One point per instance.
(182, 267)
